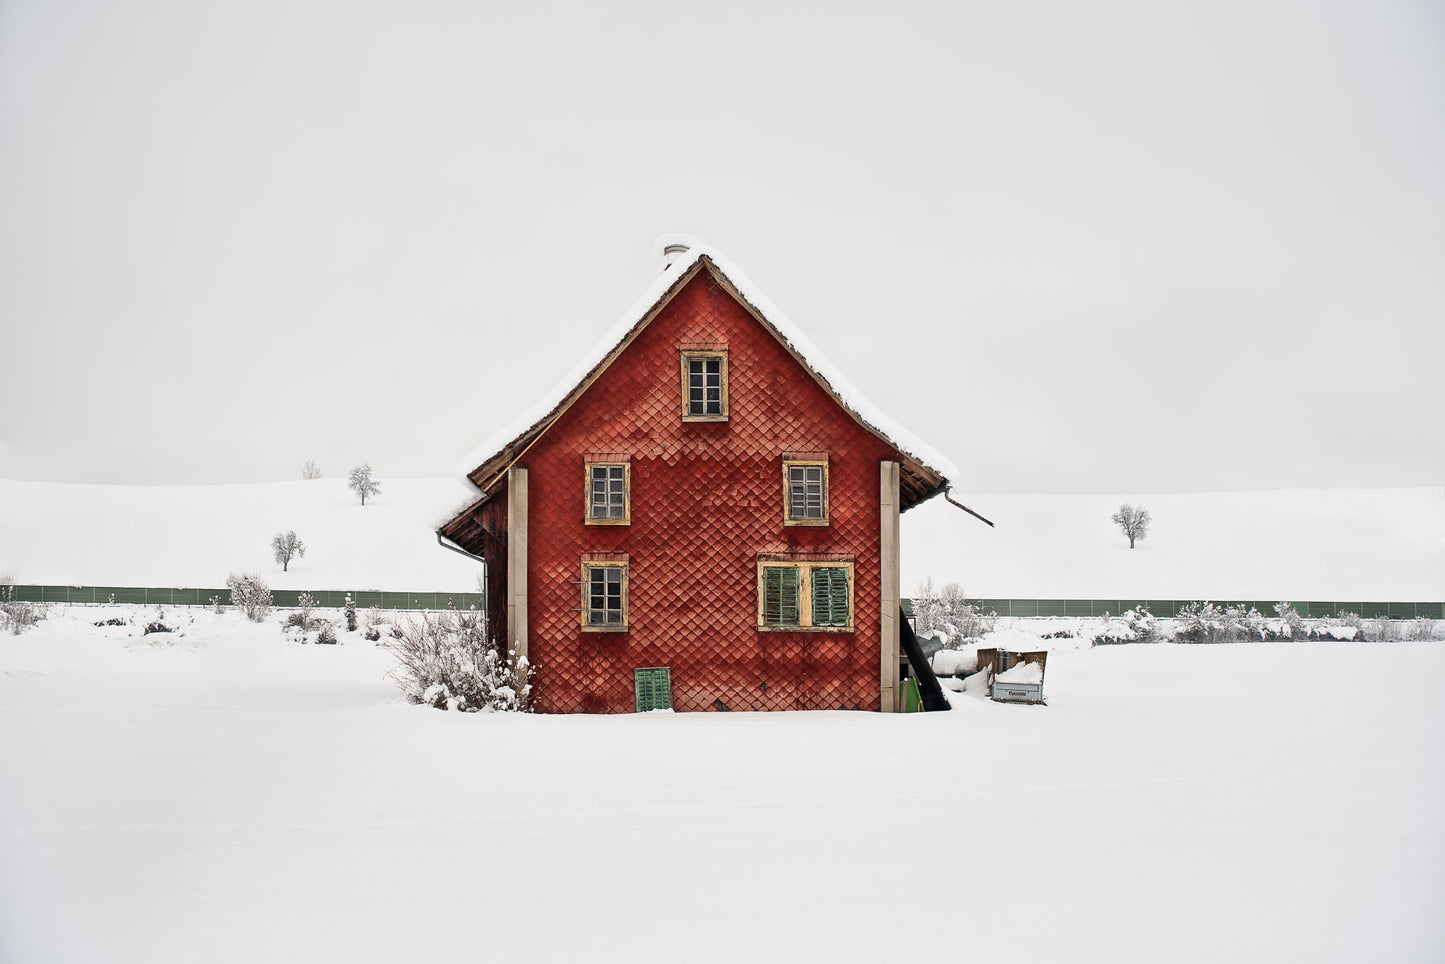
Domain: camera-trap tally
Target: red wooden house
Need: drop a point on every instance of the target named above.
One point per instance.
(705, 517)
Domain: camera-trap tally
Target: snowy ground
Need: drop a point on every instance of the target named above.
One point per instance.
(226, 795)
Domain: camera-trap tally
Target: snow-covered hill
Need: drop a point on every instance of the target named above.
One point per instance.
(194, 535)
(1325, 544)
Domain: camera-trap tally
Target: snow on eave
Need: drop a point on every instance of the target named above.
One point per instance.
(548, 406)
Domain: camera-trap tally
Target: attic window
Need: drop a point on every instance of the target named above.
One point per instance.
(805, 492)
(704, 386)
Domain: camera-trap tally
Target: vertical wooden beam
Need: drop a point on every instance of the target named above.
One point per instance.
(888, 555)
(517, 559)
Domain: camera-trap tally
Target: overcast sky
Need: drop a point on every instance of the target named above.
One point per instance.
(1077, 247)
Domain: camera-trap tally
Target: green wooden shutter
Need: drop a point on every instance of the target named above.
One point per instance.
(830, 597)
(780, 596)
(654, 688)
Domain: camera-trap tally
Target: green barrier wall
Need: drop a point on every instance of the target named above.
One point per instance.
(1171, 607)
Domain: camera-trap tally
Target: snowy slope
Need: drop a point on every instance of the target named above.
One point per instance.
(194, 535)
(1321, 544)
(1326, 544)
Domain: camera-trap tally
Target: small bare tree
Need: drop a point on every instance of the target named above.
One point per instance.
(286, 546)
(362, 483)
(1134, 522)
(310, 470)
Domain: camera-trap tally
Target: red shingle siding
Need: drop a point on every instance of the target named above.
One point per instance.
(707, 499)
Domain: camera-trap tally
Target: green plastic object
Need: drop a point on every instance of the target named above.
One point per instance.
(654, 688)
(912, 700)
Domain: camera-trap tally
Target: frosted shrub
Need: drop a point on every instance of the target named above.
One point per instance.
(327, 634)
(1200, 623)
(947, 614)
(16, 617)
(1289, 618)
(350, 614)
(444, 660)
(250, 594)
(1134, 626)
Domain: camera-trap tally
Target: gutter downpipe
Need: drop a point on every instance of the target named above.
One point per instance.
(965, 508)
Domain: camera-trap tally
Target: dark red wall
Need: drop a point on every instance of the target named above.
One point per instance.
(707, 499)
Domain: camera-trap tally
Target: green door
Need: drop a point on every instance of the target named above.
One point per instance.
(654, 688)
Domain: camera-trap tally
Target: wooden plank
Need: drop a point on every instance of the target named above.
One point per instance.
(517, 559)
(890, 585)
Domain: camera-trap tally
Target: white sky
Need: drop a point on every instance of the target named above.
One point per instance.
(1077, 247)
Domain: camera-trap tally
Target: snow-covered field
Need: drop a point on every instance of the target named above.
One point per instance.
(1329, 544)
(226, 795)
(195, 535)
(1325, 544)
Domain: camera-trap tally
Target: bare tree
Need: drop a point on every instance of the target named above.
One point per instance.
(1134, 522)
(310, 470)
(285, 546)
(362, 483)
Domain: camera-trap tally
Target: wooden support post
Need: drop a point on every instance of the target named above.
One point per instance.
(517, 559)
(890, 589)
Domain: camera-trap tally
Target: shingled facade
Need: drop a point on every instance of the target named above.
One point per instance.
(700, 522)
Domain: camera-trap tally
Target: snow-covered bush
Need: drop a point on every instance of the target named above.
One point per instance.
(948, 615)
(16, 617)
(1421, 627)
(1200, 623)
(1289, 618)
(326, 635)
(350, 614)
(444, 660)
(250, 594)
(1134, 626)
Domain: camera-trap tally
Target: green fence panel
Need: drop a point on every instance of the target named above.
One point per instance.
(1078, 607)
(24, 593)
(1160, 608)
(367, 600)
(1127, 604)
(1430, 610)
(1374, 610)
(1401, 610)
(999, 606)
(1050, 607)
(286, 598)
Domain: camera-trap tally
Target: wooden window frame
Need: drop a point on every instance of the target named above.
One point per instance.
(805, 594)
(788, 519)
(587, 517)
(587, 625)
(702, 355)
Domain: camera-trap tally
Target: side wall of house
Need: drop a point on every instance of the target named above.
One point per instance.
(706, 502)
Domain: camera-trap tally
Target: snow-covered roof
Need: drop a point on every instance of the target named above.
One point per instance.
(547, 406)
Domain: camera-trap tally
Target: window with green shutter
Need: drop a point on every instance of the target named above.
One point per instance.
(654, 688)
(780, 596)
(830, 596)
(805, 594)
